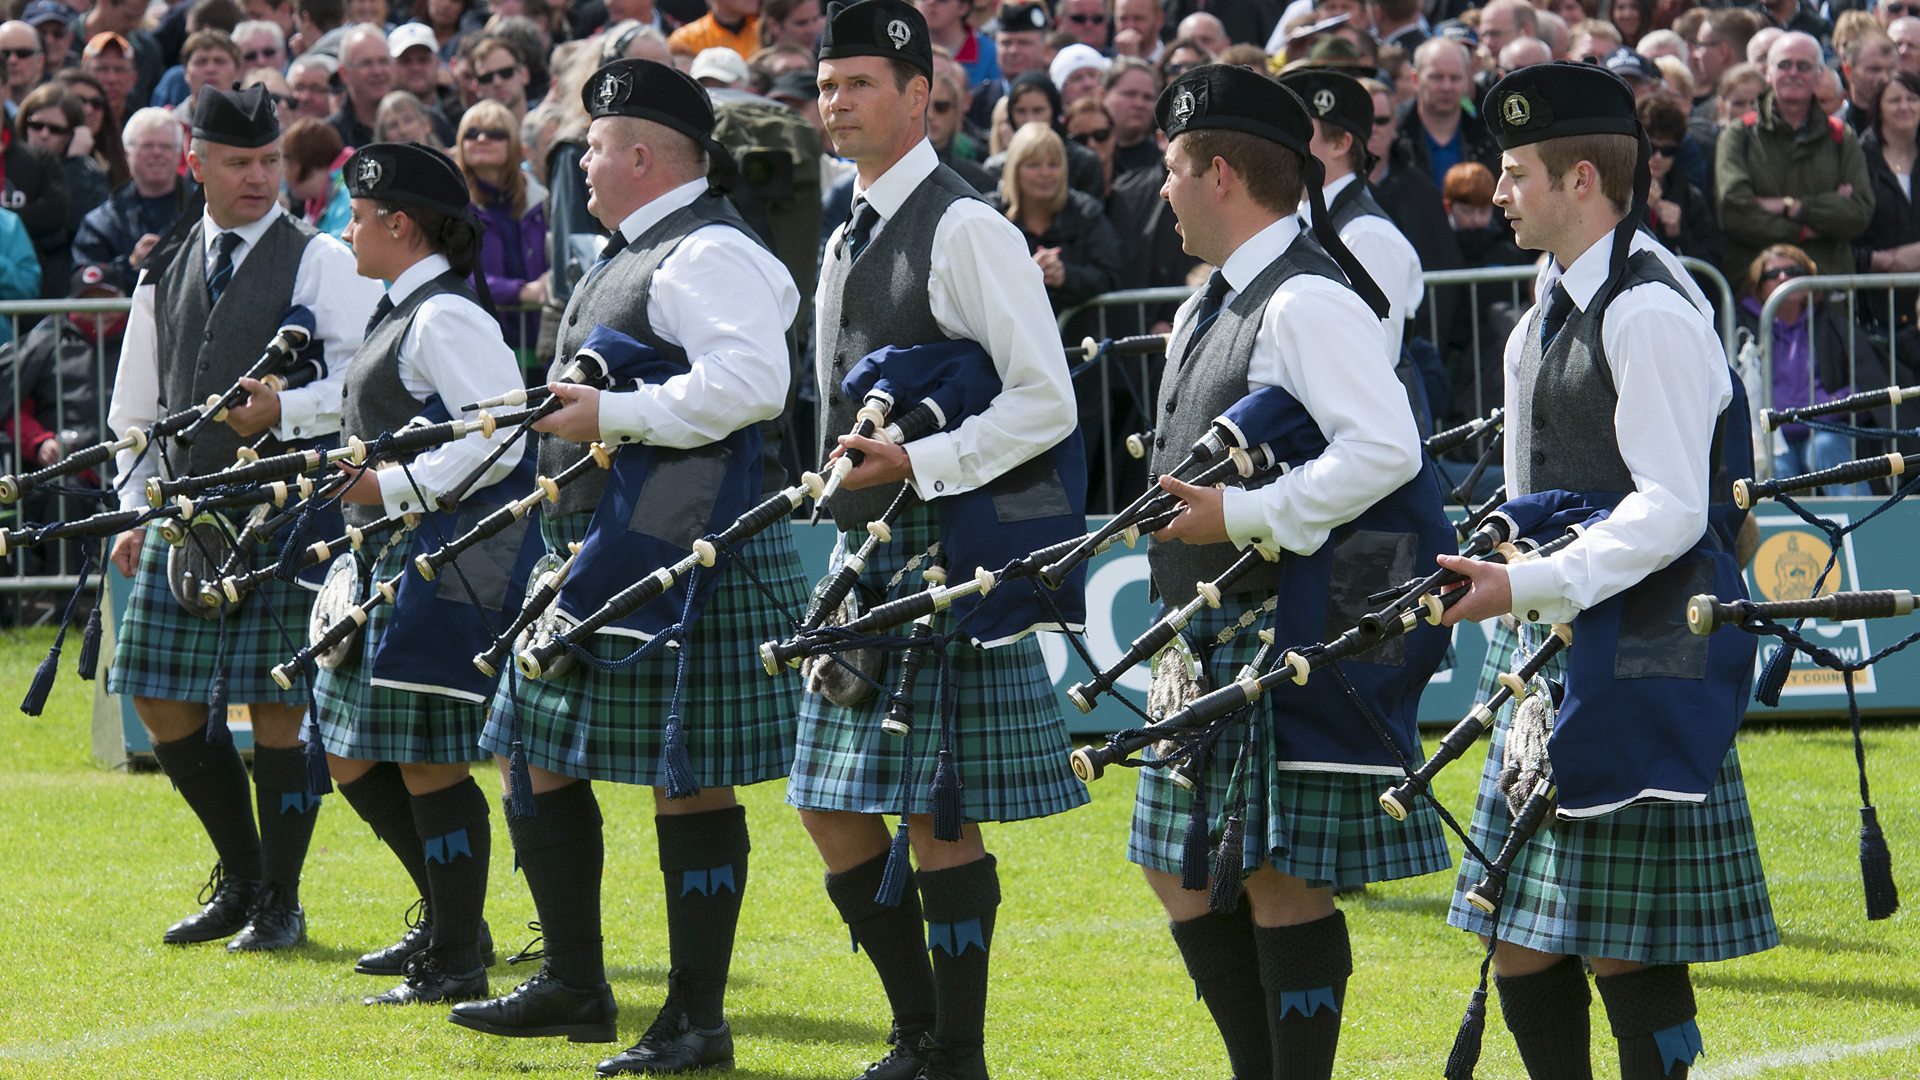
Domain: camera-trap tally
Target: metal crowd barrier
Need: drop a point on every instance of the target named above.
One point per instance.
(1844, 289)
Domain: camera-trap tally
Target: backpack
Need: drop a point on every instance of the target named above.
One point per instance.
(776, 154)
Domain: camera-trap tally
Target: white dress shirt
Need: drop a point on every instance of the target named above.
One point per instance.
(986, 288)
(1321, 343)
(1387, 258)
(325, 283)
(728, 302)
(452, 350)
(1670, 371)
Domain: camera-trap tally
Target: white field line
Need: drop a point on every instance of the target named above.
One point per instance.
(1810, 1055)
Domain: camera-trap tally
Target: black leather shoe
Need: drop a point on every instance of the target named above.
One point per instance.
(954, 1063)
(225, 903)
(672, 1045)
(904, 1059)
(429, 981)
(544, 1007)
(273, 924)
(392, 960)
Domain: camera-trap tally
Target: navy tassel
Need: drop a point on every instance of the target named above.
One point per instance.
(217, 704)
(318, 781)
(42, 685)
(1876, 867)
(893, 877)
(90, 646)
(293, 549)
(1773, 677)
(1194, 849)
(1228, 863)
(678, 763)
(519, 783)
(1466, 1045)
(947, 816)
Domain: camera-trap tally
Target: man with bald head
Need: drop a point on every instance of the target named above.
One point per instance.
(1521, 52)
(1788, 173)
(1436, 131)
(1206, 30)
(1501, 21)
(366, 70)
(26, 61)
(1905, 33)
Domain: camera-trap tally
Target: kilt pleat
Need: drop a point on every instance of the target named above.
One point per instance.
(1325, 828)
(1010, 742)
(1654, 883)
(611, 725)
(161, 651)
(376, 723)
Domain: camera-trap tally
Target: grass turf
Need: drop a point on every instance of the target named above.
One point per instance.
(1086, 980)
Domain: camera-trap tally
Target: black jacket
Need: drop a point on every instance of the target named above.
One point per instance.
(1896, 222)
(1476, 142)
(1089, 250)
(1699, 232)
(36, 189)
(108, 233)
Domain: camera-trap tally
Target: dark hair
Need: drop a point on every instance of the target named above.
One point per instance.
(106, 141)
(1612, 156)
(47, 95)
(326, 14)
(458, 238)
(1905, 78)
(222, 15)
(216, 40)
(1271, 172)
(1664, 117)
(904, 73)
(1356, 149)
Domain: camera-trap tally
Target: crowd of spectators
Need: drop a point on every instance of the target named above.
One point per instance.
(1783, 133)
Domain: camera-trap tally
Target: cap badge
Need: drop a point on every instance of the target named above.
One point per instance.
(614, 89)
(368, 173)
(1183, 106)
(1515, 110)
(899, 33)
(1038, 17)
(1323, 101)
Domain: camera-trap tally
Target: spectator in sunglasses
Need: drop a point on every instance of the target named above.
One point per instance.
(54, 20)
(97, 117)
(51, 119)
(262, 45)
(1086, 21)
(956, 147)
(1091, 125)
(1811, 362)
(513, 250)
(26, 59)
(500, 74)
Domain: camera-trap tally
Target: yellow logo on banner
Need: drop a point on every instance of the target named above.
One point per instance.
(1790, 561)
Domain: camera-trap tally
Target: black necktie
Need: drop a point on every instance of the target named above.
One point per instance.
(379, 312)
(1559, 307)
(616, 244)
(1210, 303)
(222, 273)
(860, 229)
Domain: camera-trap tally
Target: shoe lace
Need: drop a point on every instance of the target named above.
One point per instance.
(666, 1027)
(897, 1049)
(267, 902)
(422, 966)
(416, 915)
(528, 952)
(214, 881)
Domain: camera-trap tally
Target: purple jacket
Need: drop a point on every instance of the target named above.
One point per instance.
(513, 253)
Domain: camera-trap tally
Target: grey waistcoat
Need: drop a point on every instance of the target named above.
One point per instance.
(203, 347)
(1195, 390)
(1354, 201)
(877, 300)
(373, 400)
(1562, 433)
(615, 296)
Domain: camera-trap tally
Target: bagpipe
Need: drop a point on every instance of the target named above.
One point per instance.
(319, 553)
(1772, 419)
(1749, 491)
(546, 489)
(1706, 613)
(1090, 349)
(283, 365)
(1445, 442)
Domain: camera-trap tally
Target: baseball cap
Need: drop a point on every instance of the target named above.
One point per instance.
(407, 35)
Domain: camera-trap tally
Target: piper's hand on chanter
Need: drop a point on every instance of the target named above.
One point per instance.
(126, 551)
(365, 489)
(259, 412)
(579, 419)
(884, 463)
(1201, 520)
(1489, 593)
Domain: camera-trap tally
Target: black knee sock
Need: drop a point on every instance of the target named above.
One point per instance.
(457, 840)
(960, 904)
(1652, 1014)
(1547, 1013)
(893, 938)
(1304, 970)
(213, 780)
(703, 859)
(287, 814)
(380, 798)
(1220, 957)
(561, 851)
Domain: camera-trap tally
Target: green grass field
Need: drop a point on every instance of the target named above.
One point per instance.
(93, 864)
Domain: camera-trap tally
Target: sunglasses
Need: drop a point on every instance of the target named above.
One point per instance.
(254, 56)
(1665, 149)
(943, 107)
(19, 54)
(285, 101)
(1383, 121)
(484, 135)
(1897, 10)
(1097, 135)
(1087, 19)
(48, 129)
(89, 102)
(1780, 273)
(488, 78)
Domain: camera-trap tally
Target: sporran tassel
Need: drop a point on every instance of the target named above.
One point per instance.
(293, 550)
(519, 783)
(42, 685)
(90, 646)
(1228, 862)
(318, 781)
(893, 877)
(1773, 677)
(947, 816)
(1473, 1027)
(1876, 867)
(677, 762)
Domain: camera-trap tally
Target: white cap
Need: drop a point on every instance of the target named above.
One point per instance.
(407, 35)
(722, 65)
(1072, 59)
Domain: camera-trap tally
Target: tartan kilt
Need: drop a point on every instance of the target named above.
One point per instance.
(601, 725)
(1325, 828)
(364, 722)
(1654, 883)
(1010, 741)
(161, 651)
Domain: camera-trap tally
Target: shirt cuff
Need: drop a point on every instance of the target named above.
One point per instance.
(1537, 596)
(396, 493)
(1246, 519)
(300, 417)
(620, 420)
(935, 465)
